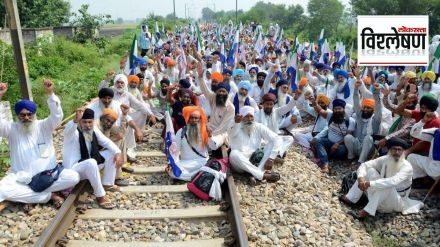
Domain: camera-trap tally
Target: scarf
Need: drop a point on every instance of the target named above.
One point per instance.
(94, 154)
(237, 103)
(436, 146)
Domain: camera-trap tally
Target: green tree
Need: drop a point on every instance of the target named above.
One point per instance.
(401, 7)
(208, 14)
(87, 26)
(40, 13)
(324, 14)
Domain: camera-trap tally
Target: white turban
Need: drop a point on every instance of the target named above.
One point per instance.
(120, 77)
(245, 110)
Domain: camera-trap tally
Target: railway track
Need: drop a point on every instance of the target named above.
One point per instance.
(150, 213)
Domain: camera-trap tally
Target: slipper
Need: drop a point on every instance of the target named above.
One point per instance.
(121, 182)
(112, 188)
(107, 204)
(127, 169)
(273, 177)
(279, 161)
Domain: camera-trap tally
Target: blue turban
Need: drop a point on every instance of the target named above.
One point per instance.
(25, 104)
(227, 71)
(184, 83)
(142, 61)
(244, 84)
(339, 72)
(224, 85)
(328, 67)
(238, 72)
(319, 65)
(254, 68)
(282, 82)
(382, 72)
(339, 102)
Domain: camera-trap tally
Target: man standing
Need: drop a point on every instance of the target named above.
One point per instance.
(387, 183)
(81, 153)
(32, 151)
(191, 143)
(246, 136)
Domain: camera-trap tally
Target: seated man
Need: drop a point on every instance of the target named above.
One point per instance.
(116, 133)
(386, 182)
(368, 119)
(222, 111)
(191, 143)
(81, 153)
(269, 117)
(246, 136)
(242, 97)
(31, 149)
(330, 141)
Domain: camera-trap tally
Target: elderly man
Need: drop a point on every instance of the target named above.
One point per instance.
(303, 90)
(428, 84)
(242, 97)
(255, 92)
(140, 112)
(330, 141)
(368, 119)
(81, 152)
(386, 182)
(343, 89)
(222, 112)
(191, 143)
(246, 136)
(270, 116)
(31, 152)
(116, 133)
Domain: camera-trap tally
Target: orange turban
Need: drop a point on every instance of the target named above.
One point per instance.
(324, 98)
(171, 63)
(367, 80)
(216, 76)
(111, 113)
(188, 110)
(303, 82)
(133, 78)
(368, 103)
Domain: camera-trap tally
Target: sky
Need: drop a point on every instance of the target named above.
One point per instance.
(132, 9)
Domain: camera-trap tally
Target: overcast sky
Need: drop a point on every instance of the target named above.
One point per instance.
(132, 9)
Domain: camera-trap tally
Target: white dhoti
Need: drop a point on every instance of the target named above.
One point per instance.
(383, 200)
(216, 141)
(303, 139)
(189, 168)
(11, 190)
(89, 169)
(424, 166)
(286, 143)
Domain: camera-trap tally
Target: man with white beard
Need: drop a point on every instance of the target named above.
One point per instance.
(245, 138)
(343, 89)
(31, 152)
(386, 182)
(191, 143)
(242, 98)
(139, 112)
(82, 141)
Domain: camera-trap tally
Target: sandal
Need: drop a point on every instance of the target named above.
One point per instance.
(121, 182)
(127, 169)
(111, 188)
(272, 177)
(57, 201)
(107, 204)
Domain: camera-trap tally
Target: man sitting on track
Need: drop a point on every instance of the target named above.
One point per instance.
(191, 143)
(81, 153)
(246, 136)
(32, 151)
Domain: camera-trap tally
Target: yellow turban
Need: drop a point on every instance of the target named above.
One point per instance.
(111, 113)
(150, 61)
(368, 103)
(410, 75)
(324, 98)
(429, 74)
(303, 82)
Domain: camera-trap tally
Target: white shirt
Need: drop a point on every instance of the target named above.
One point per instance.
(115, 106)
(33, 152)
(185, 151)
(71, 147)
(272, 121)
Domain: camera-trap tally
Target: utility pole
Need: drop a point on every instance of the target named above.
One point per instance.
(17, 43)
(174, 7)
(236, 12)
(185, 10)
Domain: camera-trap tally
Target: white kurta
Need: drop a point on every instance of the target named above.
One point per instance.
(34, 153)
(424, 165)
(188, 161)
(243, 145)
(89, 169)
(387, 192)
